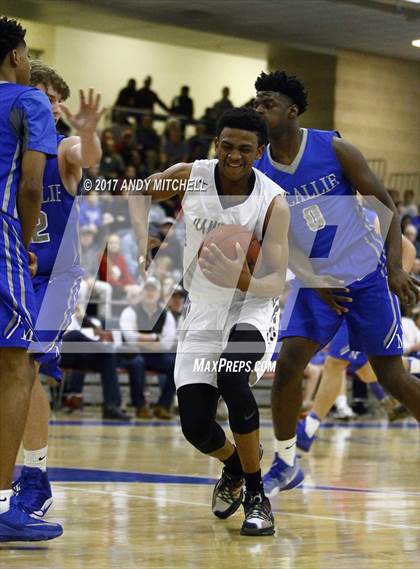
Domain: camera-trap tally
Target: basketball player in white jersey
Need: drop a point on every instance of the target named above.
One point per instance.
(230, 329)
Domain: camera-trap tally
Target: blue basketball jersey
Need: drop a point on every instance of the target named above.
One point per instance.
(58, 220)
(327, 222)
(26, 123)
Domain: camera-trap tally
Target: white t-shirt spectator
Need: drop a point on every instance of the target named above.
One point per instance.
(411, 335)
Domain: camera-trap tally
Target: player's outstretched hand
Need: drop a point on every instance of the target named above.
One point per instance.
(89, 114)
(404, 286)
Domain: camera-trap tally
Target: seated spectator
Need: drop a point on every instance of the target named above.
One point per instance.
(113, 268)
(112, 165)
(90, 212)
(410, 231)
(415, 271)
(126, 145)
(209, 119)
(135, 160)
(92, 173)
(411, 334)
(395, 196)
(130, 251)
(149, 333)
(174, 148)
(176, 303)
(173, 247)
(100, 358)
(116, 216)
(224, 104)
(91, 287)
(409, 206)
(149, 142)
(182, 104)
(146, 99)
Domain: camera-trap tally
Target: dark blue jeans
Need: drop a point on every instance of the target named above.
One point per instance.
(105, 363)
(137, 365)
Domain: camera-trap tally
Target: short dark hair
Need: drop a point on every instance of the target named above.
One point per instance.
(11, 35)
(243, 118)
(289, 85)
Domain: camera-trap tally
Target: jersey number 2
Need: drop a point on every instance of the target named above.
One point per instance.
(41, 236)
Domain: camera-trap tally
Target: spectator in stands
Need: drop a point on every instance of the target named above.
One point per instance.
(411, 333)
(182, 104)
(146, 98)
(127, 95)
(224, 104)
(90, 287)
(209, 119)
(174, 148)
(115, 208)
(149, 142)
(126, 144)
(92, 173)
(410, 231)
(149, 330)
(395, 196)
(100, 358)
(135, 160)
(176, 303)
(90, 212)
(173, 247)
(113, 269)
(415, 271)
(409, 206)
(126, 98)
(112, 165)
(199, 144)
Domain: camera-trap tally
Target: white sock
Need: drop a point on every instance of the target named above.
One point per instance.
(312, 423)
(287, 450)
(341, 401)
(5, 496)
(36, 458)
(413, 365)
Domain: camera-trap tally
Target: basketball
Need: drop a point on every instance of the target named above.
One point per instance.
(226, 237)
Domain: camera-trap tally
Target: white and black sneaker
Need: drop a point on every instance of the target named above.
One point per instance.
(258, 517)
(227, 495)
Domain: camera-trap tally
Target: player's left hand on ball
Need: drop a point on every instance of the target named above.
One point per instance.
(404, 286)
(229, 273)
(89, 114)
(33, 263)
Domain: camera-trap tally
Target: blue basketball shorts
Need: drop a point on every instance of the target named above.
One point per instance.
(339, 348)
(373, 320)
(17, 299)
(56, 300)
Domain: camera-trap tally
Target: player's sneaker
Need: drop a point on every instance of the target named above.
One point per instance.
(394, 410)
(258, 517)
(303, 441)
(281, 476)
(227, 495)
(344, 413)
(17, 525)
(33, 492)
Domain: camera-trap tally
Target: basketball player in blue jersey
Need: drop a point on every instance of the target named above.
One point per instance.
(329, 233)
(56, 283)
(27, 138)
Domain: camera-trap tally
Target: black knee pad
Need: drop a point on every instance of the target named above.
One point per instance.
(205, 438)
(234, 388)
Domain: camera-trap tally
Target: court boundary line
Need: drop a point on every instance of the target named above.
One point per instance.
(207, 505)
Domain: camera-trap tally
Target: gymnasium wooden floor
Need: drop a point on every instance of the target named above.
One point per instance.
(138, 497)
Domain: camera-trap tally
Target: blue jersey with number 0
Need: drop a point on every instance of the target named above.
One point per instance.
(327, 222)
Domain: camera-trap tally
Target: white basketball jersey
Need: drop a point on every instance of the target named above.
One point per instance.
(203, 211)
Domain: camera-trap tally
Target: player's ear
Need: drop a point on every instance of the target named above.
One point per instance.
(14, 58)
(293, 112)
(260, 151)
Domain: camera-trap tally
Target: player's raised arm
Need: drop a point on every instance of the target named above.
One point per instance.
(84, 150)
(364, 180)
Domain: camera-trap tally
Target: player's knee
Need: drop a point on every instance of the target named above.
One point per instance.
(240, 401)
(203, 437)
